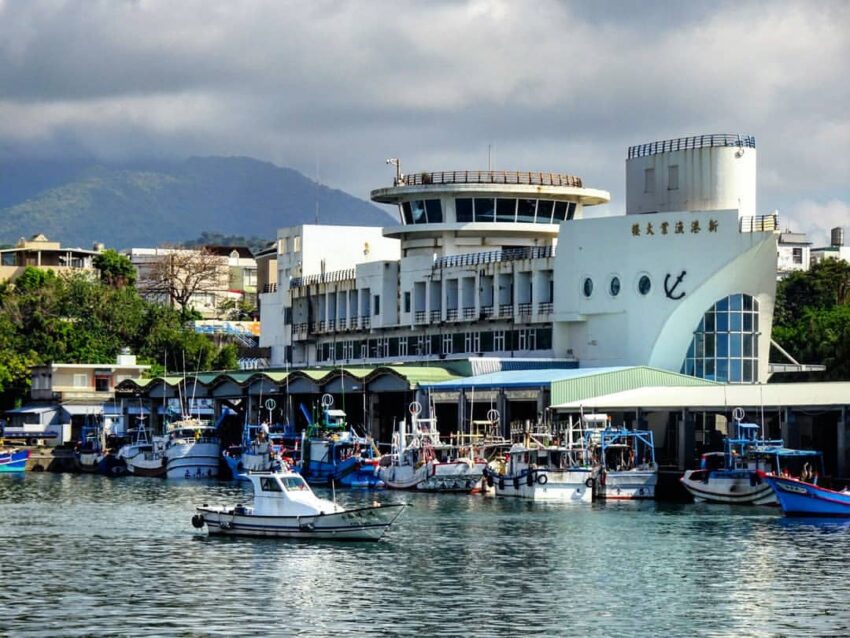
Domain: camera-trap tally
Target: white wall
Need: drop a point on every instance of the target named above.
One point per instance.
(716, 178)
(652, 329)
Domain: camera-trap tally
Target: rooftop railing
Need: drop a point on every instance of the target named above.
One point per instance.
(759, 223)
(495, 256)
(489, 177)
(689, 143)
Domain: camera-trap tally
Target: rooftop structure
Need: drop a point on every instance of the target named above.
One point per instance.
(40, 252)
(506, 264)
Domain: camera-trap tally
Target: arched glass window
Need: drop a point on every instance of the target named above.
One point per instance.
(725, 343)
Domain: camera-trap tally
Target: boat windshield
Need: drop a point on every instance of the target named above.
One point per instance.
(294, 483)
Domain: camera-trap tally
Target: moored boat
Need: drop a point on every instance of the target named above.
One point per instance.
(735, 476)
(145, 456)
(12, 460)
(285, 506)
(193, 449)
(421, 460)
(625, 461)
(800, 498)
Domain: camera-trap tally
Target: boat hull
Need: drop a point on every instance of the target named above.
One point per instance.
(735, 487)
(140, 466)
(627, 485)
(797, 498)
(363, 524)
(193, 460)
(570, 486)
(14, 461)
(435, 477)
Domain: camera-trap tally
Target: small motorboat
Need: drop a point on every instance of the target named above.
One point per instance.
(286, 507)
(13, 460)
(799, 498)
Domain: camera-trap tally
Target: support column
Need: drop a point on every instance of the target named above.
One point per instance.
(461, 411)
(685, 453)
(841, 444)
(791, 430)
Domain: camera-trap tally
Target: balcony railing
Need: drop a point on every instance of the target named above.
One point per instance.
(544, 308)
(451, 314)
(323, 278)
(420, 316)
(365, 322)
(269, 288)
(486, 311)
(689, 143)
(342, 324)
(506, 310)
(469, 312)
(489, 177)
(495, 256)
(524, 309)
(436, 315)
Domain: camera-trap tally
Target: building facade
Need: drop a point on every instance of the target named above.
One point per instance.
(512, 264)
(40, 252)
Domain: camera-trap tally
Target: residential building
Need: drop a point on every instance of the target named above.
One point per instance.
(835, 250)
(40, 252)
(793, 253)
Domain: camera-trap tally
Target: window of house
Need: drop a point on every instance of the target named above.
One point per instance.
(81, 380)
(499, 340)
(377, 303)
(407, 302)
(101, 383)
(484, 210)
(402, 346)
(463, 210)
(797, 255)
(447, 344)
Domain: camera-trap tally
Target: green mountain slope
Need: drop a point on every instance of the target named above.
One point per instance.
(79, 203)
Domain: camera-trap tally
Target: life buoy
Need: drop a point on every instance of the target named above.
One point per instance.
(542, 479)
(589, 483)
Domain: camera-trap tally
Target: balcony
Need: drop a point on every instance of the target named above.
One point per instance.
(342, 324)
(524, 310)
(420, 316)
(365, 322)
(451, 314)
(506, 310)
(469, 313)
(348, 274)
(495, 256)
(490, 177)
(544, 308)
(436, 316)
(487, 311)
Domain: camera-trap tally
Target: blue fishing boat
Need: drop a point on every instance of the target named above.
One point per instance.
(13, 460)
(624, 461)
(260, 450)
(332, 453)
(799, 498)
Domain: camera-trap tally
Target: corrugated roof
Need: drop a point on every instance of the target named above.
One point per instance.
(518, 378)
(602, 381)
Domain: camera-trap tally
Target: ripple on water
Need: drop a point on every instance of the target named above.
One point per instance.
(84, 555)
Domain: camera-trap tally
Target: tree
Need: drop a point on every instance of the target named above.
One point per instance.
(812, 319)
(178, 275)
(116, 270)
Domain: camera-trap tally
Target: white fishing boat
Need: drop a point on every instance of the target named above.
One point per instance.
(420, 460)
(624, 459)
(145, 455)
(285, 506)
(544, 467)
(735, 476)
(193, 449)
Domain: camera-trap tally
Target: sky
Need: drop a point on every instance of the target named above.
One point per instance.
(334, 88)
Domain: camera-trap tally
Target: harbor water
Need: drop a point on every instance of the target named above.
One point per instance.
(86, 555)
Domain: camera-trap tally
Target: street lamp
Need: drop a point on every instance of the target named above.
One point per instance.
(394, 161)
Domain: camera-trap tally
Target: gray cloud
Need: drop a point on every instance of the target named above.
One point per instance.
(550, 85)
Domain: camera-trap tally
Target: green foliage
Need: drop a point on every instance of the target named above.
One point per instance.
(73, 319)
(812, 319)
(116, 270)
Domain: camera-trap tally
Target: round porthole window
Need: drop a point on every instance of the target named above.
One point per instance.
(587, 287)
(644, 285)
(614, 288)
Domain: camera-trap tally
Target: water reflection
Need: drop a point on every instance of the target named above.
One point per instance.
(86, 555)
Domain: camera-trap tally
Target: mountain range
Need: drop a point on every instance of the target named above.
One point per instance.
(79, 202)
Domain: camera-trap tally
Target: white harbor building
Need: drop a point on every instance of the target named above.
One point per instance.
(513, 265)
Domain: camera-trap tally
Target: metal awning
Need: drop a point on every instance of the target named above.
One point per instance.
(35, 409)
(77, 409)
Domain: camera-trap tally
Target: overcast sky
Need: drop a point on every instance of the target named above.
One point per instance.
(334, 88)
